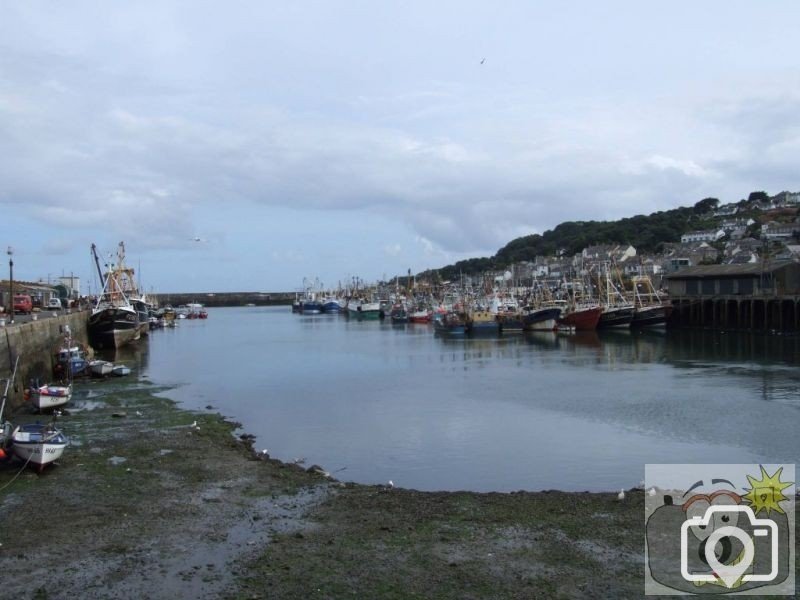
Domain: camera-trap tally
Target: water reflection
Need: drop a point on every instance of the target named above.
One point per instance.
(536, 411)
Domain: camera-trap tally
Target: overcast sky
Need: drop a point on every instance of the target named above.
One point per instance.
(338, 138)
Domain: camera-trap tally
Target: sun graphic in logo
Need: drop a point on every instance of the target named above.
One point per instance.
(766, 493)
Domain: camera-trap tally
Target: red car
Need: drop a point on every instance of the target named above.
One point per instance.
(23, 304)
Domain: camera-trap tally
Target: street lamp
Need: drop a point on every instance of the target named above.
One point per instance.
(10, 253)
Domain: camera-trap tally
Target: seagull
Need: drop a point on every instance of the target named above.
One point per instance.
(483, 60)
(391, 484)
(197, 239)
(621, 495)
(194, 424)
(264, 452)
(138, 413)
(652, 492)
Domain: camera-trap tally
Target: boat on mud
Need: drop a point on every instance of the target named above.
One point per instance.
(48, 396)
(38, 443)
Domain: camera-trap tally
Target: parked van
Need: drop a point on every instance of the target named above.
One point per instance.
(54, 303)
(23, 304)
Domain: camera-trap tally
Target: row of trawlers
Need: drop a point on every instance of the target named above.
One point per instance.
(570, 307)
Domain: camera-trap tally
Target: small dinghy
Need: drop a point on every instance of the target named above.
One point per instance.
(38, 443)
(120, 370)
(100, 368)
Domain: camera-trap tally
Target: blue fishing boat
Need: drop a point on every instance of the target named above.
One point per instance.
(331, 306)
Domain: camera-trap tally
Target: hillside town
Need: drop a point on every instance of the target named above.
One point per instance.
(762, 228)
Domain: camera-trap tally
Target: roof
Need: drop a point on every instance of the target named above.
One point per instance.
(751, 269)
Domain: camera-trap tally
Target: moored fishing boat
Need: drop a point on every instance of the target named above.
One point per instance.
(120, 370)
(331, 306)
(113, 321)
(582, 317)
(482, 322)
(510, 321)
(540, 319)
(398, 314)
(450, 323)
(651, 310)
(420, 316)
(616, 316)
(38, 443)
(5, 426)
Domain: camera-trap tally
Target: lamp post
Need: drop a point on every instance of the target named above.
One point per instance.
(10, 253)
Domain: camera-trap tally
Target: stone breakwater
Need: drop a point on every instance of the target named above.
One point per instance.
(35, 343)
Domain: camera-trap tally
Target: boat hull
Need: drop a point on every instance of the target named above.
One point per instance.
(113, 327)
(510, 324)
(311, 308)
(616, 317)
(652, 316)
(582, 319)
(50, 396)
(331, 307)
(37, 445)
(543, 319)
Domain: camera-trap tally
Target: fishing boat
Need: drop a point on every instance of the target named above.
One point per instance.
(540, 319)
(113, 322)
(650, 310)
(331, 305)
(296, 304)
(420, 316)
(398, 315)
(38, 443)
(70, 361)
(48, 396)
(450, 323)
(617, 310)
(482, 322)
(362, 309)
(582, 317)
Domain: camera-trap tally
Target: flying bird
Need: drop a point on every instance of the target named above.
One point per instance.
(483, 60)
(197, 239)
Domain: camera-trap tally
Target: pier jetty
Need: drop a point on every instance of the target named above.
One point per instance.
(226, 298)
(759, 297)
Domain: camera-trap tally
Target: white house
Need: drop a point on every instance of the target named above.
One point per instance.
(726, 210)
(703, 236)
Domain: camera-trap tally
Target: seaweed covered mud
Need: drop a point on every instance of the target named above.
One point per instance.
(154, 501)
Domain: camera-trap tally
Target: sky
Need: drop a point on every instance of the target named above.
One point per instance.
(244, 146)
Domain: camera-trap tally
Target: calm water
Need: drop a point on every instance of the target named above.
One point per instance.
(374, 402)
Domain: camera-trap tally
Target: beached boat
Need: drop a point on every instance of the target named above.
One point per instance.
(49, 396)
(70, 361)
(120, 370)
(38, 443)
(100, 368)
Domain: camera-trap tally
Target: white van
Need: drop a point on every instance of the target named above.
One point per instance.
(54, 303)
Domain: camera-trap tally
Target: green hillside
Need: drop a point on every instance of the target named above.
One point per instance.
(646, 233)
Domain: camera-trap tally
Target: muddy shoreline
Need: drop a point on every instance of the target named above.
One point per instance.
(168, 503)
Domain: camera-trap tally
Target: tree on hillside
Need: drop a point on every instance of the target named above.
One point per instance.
(758, 197)
(706, 205)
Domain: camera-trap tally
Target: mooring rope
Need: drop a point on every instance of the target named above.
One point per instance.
(8, 483)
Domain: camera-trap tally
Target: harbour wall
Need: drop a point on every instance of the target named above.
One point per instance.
(35, 343)
(226, 298)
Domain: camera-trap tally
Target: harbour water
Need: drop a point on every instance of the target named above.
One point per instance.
(373, 402)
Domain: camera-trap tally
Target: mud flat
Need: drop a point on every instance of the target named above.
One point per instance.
(157, 502)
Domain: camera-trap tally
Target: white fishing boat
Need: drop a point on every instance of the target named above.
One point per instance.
(100, 368)
(49, 396)
(38, 443)
(120, 370)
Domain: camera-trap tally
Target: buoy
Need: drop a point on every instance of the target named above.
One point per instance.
(2, 454)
